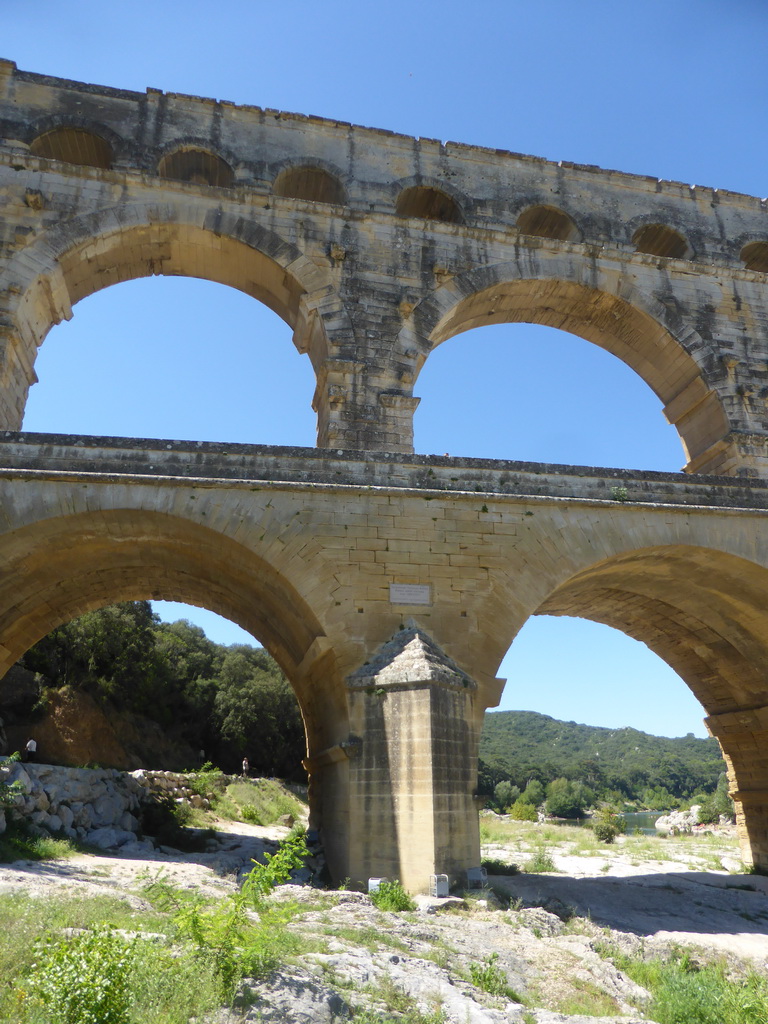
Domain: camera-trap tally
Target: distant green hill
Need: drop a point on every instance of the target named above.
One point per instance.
(521, 745)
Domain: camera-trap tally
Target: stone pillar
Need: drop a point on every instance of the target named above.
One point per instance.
(743, 737)
(412, 786)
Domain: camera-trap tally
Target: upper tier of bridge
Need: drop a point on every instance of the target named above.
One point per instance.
(375, 248)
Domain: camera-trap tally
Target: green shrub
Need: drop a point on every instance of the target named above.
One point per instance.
(499, 867)
(165, 820)
(521, 810)
(84, 979)
(567, 799)
(392, 896)
(607, 824)
(207, 781)
(504, 795)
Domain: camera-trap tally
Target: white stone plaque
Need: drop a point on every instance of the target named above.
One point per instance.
(409, 593)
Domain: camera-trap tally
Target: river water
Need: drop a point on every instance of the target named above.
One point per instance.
(642, 821)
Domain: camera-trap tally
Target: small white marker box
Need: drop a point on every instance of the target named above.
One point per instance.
(438, 885)
(374, 884)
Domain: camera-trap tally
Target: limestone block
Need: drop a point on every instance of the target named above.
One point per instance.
(128, 822)
(109, 838)
(41, 800)
(18, 775)
(67, 817)
(107, 809)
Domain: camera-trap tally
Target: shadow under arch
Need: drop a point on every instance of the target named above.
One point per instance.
(639, 330)
(120, 243)
(705, 613)
(59, 568)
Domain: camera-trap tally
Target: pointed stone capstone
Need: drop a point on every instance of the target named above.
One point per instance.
(410, 658)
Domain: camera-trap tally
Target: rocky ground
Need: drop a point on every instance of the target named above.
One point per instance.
(544, 932)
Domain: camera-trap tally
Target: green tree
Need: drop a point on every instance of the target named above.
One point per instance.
(257, 714)
(109, 653)
(533, 793)
(566, 799)
(504, 795)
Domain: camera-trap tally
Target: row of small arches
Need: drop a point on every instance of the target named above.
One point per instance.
(200, 166)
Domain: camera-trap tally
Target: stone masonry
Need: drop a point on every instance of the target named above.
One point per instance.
(387, 585)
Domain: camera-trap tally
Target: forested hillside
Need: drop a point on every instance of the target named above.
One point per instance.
(522, 745)
(227, 702)
(234, 701)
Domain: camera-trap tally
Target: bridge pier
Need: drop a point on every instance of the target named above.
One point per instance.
(412, 783)
(743, 736)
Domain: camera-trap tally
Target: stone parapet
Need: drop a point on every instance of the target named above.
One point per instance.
(205, 463)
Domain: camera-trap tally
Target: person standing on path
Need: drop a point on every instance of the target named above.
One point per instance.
(30, 750)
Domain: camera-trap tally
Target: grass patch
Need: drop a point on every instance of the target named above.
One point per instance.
(368, 936)
(588, 1000)
(400, 1008)
(78, 960)
(540, 861)
(259, 802)
(685, 991)
(17, 843)
(165, 987)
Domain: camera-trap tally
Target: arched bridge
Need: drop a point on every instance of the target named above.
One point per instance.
(387, 585)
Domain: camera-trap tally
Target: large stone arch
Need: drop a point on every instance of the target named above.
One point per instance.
(602, 306)
(63, 566)
(705, 613)
(78, 257)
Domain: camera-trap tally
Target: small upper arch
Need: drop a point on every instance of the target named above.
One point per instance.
(754, 255)
(74, 143)
(546, 221)
(658, 239)
(197, 165)
(428, 202)
(311, 183)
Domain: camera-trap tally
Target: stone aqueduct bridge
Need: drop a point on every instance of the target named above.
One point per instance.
(388, 585)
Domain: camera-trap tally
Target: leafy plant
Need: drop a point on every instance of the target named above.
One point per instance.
(224, 934)
(492, 979)
(392, 896)
(84, 979)
(607, 824)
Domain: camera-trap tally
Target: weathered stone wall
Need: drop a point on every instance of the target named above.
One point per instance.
(100, 806)
(320, 221)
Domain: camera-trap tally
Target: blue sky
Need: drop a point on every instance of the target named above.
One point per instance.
(676, 90)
